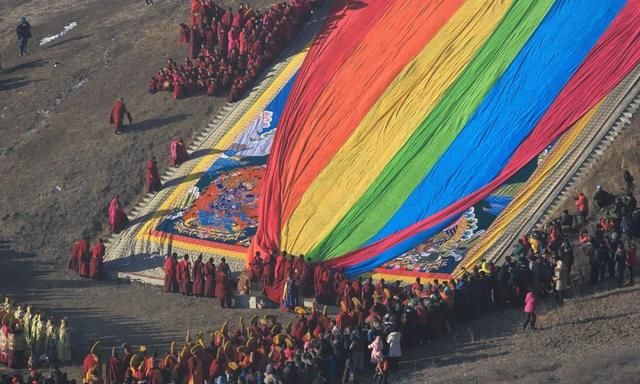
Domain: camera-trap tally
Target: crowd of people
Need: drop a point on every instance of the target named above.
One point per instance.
(55, 376)
(85, 261)
(377, 321)
(29, 339)
(200, 278)
(227, 49)
(609, 245)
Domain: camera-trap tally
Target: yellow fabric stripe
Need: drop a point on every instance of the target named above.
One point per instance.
(537, 179)
(390, 123)
(178, 197)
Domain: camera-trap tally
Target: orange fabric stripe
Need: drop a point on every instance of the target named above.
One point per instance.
(356, 87)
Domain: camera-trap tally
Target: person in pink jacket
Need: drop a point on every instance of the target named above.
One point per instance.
(376, 347)
(530, 303)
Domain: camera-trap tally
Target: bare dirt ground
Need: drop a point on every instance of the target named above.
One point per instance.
(54, 107)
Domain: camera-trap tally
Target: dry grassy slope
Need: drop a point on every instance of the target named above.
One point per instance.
(54, 107)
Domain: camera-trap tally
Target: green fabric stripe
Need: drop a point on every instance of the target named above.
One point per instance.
(430, 140)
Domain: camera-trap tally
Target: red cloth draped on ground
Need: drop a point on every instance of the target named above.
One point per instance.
(209, 279)
(97, 255)
(170, 275)
(152, 176)
(275, 291)
(184, 276)
(118, 112)
(198, 278)
(117, 219)
(83, 257)
(178, 152)
(615, 54)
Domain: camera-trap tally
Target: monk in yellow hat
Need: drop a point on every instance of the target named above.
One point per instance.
(92, 367)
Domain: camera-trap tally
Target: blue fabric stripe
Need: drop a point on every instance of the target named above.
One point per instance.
(505, 118)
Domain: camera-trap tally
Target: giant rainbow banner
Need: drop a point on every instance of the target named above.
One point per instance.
(392, 142)
(406, 113)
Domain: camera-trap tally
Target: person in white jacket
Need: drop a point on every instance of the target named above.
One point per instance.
(395, 350)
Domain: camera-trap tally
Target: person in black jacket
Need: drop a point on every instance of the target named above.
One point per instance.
(24, 34)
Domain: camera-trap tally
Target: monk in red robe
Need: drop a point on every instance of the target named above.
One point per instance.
(76, 256)
(279, 271)
(125, 362)
(222, 283)
(300, 327)
(152, 177)
(117, 219)
(178, 152)
(184, 276)
(298, 266)
(196, 12)
(184, 34)
(356, 288)
(209, 278)
(84, 257)
(288, 267)
(317, 279)
(256, 268)
(367, 295)
(196, 41)
(112, 371)
(91, 365)
(118, 113)
(227, 18)
(154, 374)
(198, 277)
(97, 255)
(327, 289)
(343, 320)
(267, 271)
(171, 273)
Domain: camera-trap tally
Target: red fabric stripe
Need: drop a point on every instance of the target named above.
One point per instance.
(344, 28)
(316, 123)
(613, 57)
